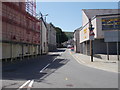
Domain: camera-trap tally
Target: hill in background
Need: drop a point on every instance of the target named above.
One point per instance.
(69, 35)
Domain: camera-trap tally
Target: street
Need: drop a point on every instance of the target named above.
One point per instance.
(56, 70)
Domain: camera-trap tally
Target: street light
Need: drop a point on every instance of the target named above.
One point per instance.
(45, 16)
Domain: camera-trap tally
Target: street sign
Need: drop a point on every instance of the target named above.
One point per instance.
(91, 34)
(91, 28)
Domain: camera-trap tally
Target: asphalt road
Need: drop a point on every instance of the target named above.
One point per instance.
(55, 70)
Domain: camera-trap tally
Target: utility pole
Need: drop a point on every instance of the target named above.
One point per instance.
(107, 51)
(118, 51)
(91, 34)
(41, 19)
(91, 50)
(41, 36)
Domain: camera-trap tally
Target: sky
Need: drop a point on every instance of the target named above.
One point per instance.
(68, 15)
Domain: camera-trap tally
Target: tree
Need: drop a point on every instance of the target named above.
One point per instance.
(60, 36)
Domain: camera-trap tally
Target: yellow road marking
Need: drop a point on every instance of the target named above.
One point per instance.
(66, 78)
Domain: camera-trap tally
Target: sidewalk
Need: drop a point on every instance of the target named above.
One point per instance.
(107, 65)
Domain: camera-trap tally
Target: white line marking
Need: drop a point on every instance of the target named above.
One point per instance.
(44, 67)
(54, 59)
(24, 84)
(31, 83)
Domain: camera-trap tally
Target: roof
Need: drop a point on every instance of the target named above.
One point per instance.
(93, 12)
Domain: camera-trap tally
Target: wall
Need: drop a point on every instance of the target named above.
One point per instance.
(44, 39)
(85, 19)
(85, 48)
(100, 47)
(15, 50)
(0, 32)
(51, 38)
(77, 41)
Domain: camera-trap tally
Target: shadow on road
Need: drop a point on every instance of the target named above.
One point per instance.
(51, 69)
(30, 69)
(61, 50)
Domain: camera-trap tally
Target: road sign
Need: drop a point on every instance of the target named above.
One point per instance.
(91, 34)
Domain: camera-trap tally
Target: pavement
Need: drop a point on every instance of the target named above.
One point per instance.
(103, 64)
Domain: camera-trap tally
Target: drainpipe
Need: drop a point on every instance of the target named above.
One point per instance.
(41, 36)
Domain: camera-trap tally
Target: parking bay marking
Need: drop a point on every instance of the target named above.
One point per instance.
(32, 81)
(30, 84)
(44, 67)
(24, 84)
(47, 65)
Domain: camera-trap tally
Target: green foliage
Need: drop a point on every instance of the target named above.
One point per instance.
(60, 35)
(69, 35)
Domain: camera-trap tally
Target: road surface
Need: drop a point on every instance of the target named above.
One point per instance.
(56, 70)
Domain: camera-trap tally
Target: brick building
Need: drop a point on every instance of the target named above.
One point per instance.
(20, 30)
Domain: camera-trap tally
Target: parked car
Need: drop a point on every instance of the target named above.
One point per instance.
(69, 46)
(72, 48)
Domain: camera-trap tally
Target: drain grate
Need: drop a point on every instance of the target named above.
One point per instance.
(109, 62)
(69, 85)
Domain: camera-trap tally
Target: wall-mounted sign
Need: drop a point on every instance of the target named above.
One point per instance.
(111, 23)
(85, 31)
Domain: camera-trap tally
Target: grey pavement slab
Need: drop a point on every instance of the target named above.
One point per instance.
(108, 65)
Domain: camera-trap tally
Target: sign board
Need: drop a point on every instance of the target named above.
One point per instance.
(91, 34)
(85, 33)
(112, 36)
(111, 23)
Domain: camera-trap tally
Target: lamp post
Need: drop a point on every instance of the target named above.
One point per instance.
(45, 17)
(91, 34)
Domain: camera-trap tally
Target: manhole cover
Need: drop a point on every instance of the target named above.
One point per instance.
(69, 85)
(109, 62)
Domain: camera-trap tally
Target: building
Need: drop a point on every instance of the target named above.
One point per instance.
(70, 42)
(20, 31)
(51, 37)
(106, 28)
(77, 40)
(44, 37)
(31, 7)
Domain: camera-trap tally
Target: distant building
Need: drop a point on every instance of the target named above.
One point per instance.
(77, 40)
(70, 42)
(106, 28)
(51, 37)
(44, 37)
